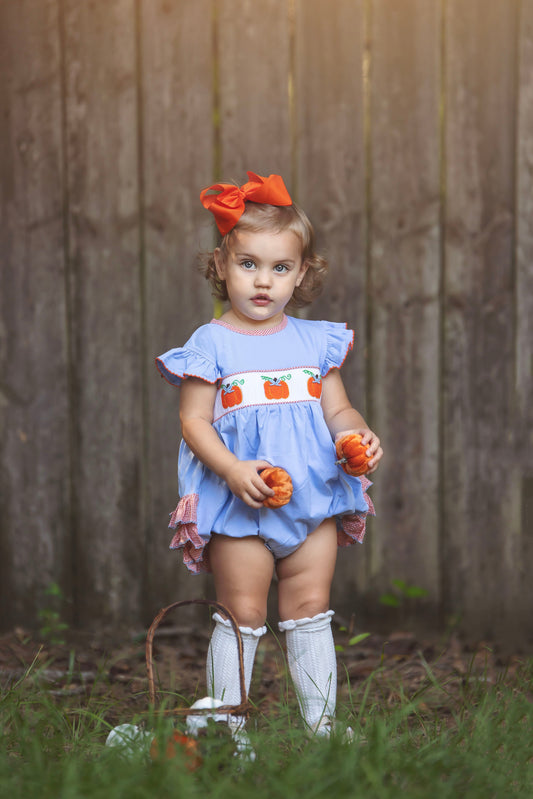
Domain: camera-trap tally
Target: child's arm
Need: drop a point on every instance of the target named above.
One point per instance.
(196, 416)
(342, 419)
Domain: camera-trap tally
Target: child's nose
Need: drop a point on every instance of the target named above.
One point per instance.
(263, 277)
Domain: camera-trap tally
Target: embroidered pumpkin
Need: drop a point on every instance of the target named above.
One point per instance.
(231, 394)
(314, 384)
(276, 387)
(277, 478)
(176, 743)
(352, 454)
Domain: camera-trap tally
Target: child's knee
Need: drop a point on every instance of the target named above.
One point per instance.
(304, 607)
(248, 613)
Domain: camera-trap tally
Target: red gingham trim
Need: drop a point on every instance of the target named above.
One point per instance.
(183, 519)
(266, 331)
(353, 526)
(185, 511)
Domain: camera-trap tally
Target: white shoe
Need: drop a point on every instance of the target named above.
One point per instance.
(328, 727)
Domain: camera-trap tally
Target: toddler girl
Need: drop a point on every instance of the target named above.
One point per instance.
(261, 388)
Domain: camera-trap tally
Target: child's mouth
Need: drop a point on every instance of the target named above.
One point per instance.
(261, 299)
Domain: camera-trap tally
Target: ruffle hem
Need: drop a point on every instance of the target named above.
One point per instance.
(183, 519)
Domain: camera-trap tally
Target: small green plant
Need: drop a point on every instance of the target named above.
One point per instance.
(404, 592)
(52, 627)
(356, 639)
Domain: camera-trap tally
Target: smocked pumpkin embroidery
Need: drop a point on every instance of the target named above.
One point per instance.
(232, 393)
(276, 387)
(314, 384)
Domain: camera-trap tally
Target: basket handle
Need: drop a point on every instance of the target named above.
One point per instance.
(157, 621)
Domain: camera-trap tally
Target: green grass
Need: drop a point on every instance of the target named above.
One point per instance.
(478, 745)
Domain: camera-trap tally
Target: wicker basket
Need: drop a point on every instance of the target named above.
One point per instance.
(234, 710)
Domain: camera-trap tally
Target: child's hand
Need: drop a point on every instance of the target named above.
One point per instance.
(244, 481)
(369, 438)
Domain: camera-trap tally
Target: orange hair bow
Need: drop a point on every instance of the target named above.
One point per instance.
(228, 204)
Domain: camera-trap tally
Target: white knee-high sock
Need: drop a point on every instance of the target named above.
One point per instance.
(313, 668)
(223, 660)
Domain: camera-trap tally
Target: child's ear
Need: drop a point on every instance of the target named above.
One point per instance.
(220, 264)
(303, 269)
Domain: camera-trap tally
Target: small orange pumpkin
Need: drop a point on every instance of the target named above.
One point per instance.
(177, 742)
(352, 454)
(277, 478)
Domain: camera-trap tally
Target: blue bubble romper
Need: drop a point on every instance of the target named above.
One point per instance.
(267, 407)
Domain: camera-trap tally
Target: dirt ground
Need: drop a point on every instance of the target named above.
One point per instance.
(112, 675)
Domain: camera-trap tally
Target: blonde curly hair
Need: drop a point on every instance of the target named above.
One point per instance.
(258, 217)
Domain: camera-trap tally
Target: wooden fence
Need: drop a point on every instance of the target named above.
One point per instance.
(405, 128)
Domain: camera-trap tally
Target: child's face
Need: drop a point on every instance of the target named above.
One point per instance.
(261, 272)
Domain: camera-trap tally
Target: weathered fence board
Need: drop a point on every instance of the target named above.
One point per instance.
(524, 319)
(330, 185)
(177, 160)
(101, 123)
(34, 391)
(253, 88)
(524, 217)
(481, 533)
(404, 289)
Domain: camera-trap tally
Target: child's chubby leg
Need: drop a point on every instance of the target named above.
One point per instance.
(242, 570)
(306, 575)
(305, 579)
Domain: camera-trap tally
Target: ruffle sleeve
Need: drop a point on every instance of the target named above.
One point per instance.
(197, 358)
(182, 362)
(339, 342)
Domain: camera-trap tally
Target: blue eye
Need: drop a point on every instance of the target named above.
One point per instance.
(248, 265)
(281, 268)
